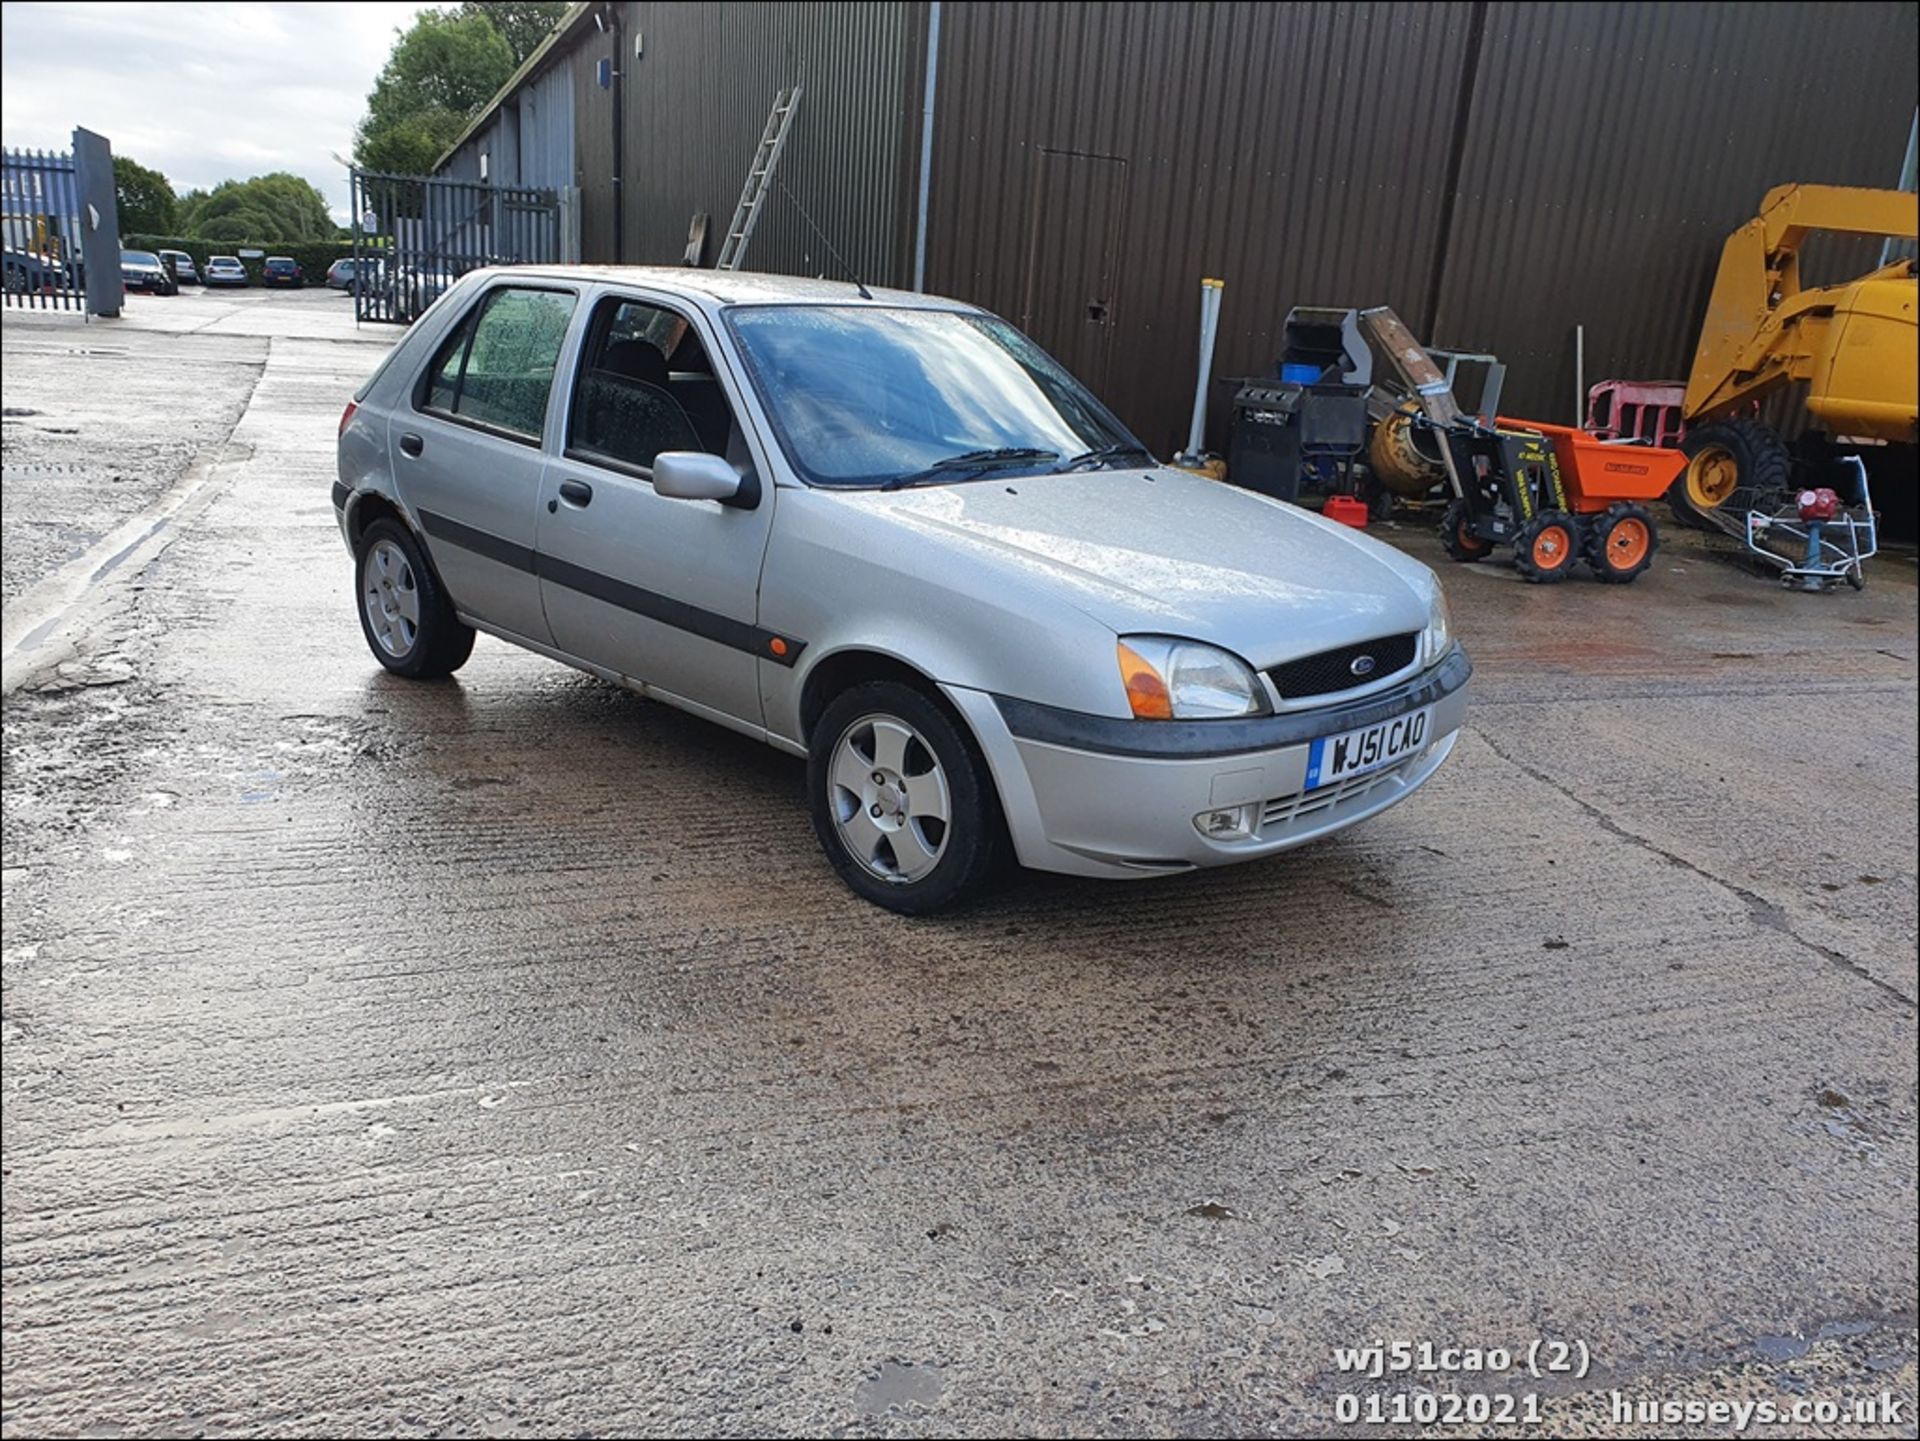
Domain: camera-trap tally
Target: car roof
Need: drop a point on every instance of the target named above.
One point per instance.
(735, 287)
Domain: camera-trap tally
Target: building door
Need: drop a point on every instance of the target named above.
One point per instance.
(1074, 257)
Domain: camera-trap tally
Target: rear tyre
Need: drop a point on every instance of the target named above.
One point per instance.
(1622, 543)
(407, 619)
(1456, 534)
(1547, 546)
(1730, 463)
(902, 800)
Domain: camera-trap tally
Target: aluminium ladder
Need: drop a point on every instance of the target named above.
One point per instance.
(754, 194)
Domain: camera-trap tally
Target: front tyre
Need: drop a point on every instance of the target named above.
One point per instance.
(407, 619)
(902, 801)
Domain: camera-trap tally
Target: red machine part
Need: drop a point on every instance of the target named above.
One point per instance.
(1637, 410)
(1347, 509)
(1820, 504)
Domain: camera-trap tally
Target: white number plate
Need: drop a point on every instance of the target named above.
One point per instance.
(1336, 758)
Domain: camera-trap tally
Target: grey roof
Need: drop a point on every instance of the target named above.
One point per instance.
(741, 286)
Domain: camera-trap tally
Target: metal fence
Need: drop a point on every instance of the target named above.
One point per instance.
(44, 237)
(413, 236)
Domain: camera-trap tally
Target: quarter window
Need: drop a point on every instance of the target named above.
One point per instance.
(497, 369)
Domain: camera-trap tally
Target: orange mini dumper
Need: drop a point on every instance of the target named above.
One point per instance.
(1554, 493)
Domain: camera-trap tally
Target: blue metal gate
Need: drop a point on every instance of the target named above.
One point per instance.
(414, 235)
(62, 228)
(44, 233)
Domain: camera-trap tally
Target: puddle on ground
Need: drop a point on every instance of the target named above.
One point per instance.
(901, 1383)
(1792, 1348)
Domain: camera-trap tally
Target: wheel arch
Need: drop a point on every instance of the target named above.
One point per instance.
(365, 506)
(841, 670)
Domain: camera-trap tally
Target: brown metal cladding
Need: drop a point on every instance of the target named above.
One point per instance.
(593, 145)
(1609, 150)
(696, 102)
(1308, 154)
(1298, 152)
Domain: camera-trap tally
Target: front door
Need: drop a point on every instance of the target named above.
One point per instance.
(467, 452)
(662, 591)
(1073, 259)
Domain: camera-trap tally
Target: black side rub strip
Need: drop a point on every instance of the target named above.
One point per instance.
(480, 542)
(341, 491)
(721, 629)
(1107, 735)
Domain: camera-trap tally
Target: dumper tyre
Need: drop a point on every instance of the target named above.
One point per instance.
(1547, 547)
(1459, 540)
(1622, 543)
(1731, 465)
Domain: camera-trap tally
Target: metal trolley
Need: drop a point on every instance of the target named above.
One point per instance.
(1827, 550)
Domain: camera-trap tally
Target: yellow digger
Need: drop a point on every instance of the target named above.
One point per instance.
(1853, 345)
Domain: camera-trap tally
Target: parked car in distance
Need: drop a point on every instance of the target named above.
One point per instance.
(225, 270)
(27, 271)
(141, 270)
(281, 270)
(180, 265)
(886, 532)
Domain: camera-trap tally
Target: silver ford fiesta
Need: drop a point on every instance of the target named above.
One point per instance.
(888, 533)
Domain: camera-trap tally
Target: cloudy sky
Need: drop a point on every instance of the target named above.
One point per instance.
(202, 92)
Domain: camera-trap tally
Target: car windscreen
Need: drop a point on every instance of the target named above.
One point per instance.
(138, 257)
(875, 395)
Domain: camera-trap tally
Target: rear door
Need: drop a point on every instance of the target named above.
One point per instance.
(660, 590)
(468, 455)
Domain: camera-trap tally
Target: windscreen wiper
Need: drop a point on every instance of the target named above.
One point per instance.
(1104, 453)
(969, 461)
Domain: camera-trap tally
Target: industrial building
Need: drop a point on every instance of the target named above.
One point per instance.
(1500, 174)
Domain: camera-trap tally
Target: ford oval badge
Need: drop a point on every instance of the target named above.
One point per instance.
(1362, 665)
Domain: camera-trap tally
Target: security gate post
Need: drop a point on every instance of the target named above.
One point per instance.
(99, 223)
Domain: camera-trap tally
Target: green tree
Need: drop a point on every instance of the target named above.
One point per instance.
(144, 197)
(523, 24)
(411, 144)
(267, 208)
(447, 64)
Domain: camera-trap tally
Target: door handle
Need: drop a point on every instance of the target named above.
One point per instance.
(576, 492)
(412, 444)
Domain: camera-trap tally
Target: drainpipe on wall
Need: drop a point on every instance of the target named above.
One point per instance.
(926, 146)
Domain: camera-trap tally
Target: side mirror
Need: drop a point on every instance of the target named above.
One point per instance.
(695, 475)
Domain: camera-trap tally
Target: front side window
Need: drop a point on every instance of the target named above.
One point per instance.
(497, 368)
(645, 387)
(869, 395)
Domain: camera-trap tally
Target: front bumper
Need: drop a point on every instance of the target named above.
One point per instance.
(1096, 796)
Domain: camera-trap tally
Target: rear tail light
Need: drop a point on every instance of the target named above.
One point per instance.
(346, 417)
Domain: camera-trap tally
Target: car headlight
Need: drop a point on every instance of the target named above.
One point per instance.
(1439, 632)
(1169, 679)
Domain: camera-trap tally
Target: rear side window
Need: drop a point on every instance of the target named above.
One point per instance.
(496, 370)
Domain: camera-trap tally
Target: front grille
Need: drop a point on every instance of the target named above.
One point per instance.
(1301, 805)
(1332, 670)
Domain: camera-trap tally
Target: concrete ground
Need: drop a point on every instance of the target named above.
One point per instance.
(501, 1056)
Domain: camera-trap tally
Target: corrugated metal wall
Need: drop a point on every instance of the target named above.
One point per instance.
(1610, 149)
(1297, 151)
(528, 140)
(593, 146)
(1308, 154)
(545, 115)
(696, 103)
